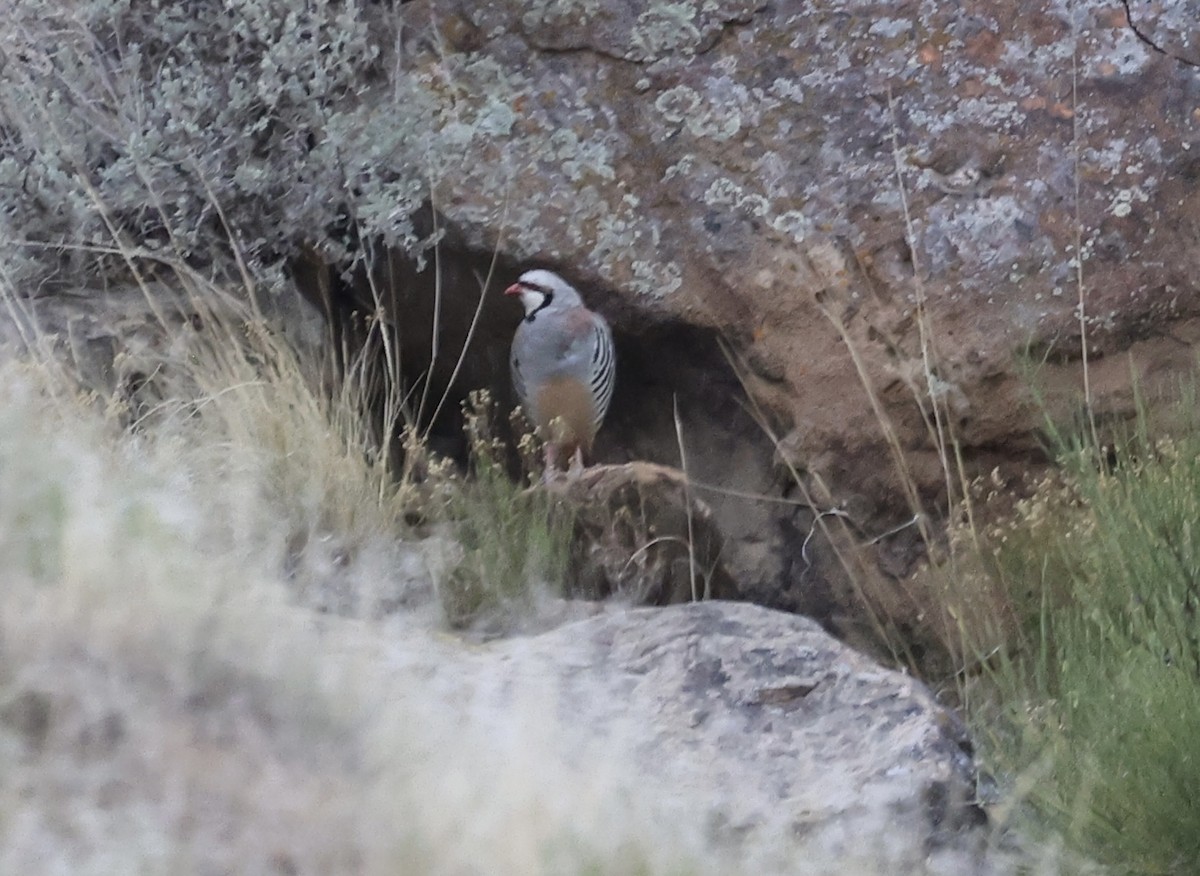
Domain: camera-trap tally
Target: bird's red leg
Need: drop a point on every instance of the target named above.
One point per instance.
(551, 457)
(576, 467)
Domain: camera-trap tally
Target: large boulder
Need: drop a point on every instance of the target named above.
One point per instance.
(754, 722)
(726, 163)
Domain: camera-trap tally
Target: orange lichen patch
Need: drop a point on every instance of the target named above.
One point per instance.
(1106, 68)
(929, 55)
(1113, 17)
(1033, 103)
(1060, 110)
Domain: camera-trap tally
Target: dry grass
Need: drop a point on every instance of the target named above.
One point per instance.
(166, 705)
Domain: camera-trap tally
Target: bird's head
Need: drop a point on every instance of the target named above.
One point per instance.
(540, 290)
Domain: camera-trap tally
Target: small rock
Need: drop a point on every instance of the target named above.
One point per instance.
(29, 715)
(640, 533)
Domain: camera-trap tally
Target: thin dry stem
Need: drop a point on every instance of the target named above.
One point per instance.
(1083, 344)
(853, 570)
(924, 327)
(899, 460)
(435, 332)
(687, 499)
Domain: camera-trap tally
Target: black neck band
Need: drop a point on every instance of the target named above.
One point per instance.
(549, 296)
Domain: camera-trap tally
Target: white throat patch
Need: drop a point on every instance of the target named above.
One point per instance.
(531, 300)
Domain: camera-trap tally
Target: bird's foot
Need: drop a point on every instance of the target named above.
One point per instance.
(575, 470)
(550, 473)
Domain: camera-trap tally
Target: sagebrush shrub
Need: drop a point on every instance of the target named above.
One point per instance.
(188, 126)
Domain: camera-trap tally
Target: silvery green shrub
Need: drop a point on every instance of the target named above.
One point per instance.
(185, 126)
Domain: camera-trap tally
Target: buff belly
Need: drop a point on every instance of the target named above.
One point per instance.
(564, 411)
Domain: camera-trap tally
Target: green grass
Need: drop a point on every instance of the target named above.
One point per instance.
(1095, 687)
(516, 541)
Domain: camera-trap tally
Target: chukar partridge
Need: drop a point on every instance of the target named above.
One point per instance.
(563, 365)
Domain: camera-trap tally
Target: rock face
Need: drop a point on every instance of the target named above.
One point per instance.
(769, 730)
(740, 169)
